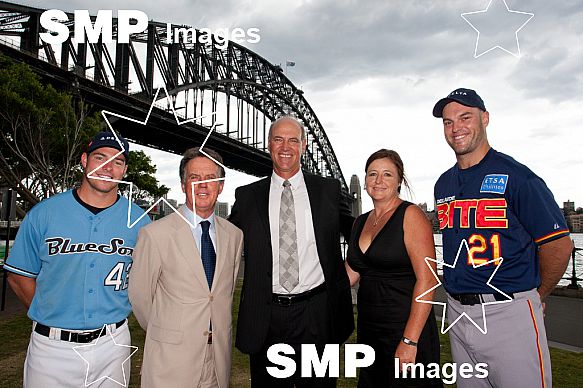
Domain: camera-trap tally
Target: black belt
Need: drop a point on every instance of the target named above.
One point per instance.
(472, 299)
(289, 299)
(69, 336)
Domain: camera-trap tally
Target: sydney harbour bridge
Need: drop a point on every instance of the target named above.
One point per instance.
(245, 91)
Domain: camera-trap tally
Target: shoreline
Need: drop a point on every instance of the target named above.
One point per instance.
(568, 292)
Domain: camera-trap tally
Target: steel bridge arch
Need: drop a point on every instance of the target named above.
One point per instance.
(233, 71)
(274, 98)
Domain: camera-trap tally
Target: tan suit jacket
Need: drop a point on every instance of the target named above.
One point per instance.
(172, 302)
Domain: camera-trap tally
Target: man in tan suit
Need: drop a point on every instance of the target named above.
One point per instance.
(182, 283)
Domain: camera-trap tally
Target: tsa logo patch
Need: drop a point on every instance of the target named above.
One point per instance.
(494, 183)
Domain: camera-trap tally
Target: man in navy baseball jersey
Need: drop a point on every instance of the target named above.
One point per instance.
(69, 266)
(517, 242)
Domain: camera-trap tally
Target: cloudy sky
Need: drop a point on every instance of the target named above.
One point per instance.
(372, 71)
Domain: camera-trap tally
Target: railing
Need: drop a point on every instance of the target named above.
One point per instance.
(577, 252)
(13, 224)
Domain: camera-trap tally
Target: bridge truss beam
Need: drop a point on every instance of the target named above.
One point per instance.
(243, 90)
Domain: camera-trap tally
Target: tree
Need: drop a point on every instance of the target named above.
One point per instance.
(141, 173)
(43, 132)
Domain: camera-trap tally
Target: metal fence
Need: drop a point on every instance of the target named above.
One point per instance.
(576, 256)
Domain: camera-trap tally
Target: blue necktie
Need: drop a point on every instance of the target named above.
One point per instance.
(207, 253)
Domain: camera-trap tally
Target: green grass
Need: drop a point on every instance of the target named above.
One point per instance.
(15, 332)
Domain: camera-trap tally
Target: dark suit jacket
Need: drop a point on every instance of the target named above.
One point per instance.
(330, 215)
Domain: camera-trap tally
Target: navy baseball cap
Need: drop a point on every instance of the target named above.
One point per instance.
(108, 139)
(467, 97)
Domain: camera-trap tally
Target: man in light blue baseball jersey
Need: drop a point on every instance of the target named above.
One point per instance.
(69, 266)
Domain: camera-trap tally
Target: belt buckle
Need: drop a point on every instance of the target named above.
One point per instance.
(81, 337)
(286, 298)
(86, 337)
(471, 299)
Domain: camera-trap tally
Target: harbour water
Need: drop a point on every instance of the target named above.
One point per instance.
(578, 241)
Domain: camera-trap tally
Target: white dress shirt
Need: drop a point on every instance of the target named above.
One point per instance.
(197, 230)
(195, 219)
(311, 274)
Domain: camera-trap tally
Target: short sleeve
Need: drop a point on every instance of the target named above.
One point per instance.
(538, 211)
(23, 258)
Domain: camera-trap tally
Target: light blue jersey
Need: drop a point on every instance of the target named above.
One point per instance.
(81, 261)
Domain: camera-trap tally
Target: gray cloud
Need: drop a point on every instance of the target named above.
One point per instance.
(553, 62)
(339, 41)
(335, 42)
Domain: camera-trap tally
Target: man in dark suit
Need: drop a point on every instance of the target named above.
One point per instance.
(295, 288)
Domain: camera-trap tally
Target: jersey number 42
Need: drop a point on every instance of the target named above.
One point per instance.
(116, 278)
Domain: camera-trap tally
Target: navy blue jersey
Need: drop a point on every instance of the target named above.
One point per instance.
(501, 209)
(80, 261)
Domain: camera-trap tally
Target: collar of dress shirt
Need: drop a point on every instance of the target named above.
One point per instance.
(296, 181)
(189, 215)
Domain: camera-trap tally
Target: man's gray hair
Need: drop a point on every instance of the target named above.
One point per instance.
(196, 152)
(292, 118)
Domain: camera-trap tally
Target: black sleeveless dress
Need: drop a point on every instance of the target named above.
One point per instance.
(387, 280)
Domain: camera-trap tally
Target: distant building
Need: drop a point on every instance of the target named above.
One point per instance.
(154, 212)
(222, 209)
(165, 209)
(355, 191)
(575, 222)
(573, 217)
(568, 208)
(430, 214)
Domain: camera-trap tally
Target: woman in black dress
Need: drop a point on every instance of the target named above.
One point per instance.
(386, 255)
